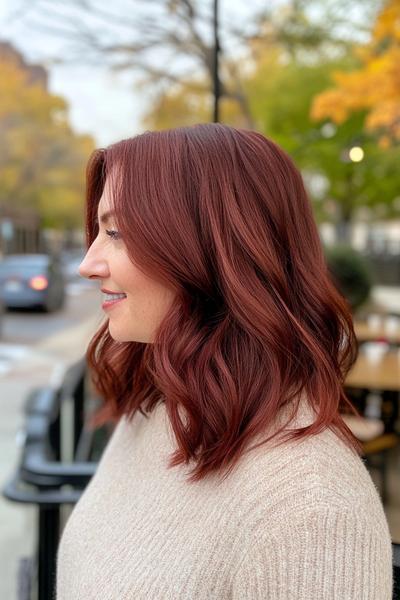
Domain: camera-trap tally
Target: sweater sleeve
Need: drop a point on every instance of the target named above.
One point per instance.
(324, 554)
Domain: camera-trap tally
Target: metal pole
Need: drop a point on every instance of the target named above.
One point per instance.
(49, 534)
(216, 82)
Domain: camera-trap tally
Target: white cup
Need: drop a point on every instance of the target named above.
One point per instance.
(391, 324)
(374, 321)
(374, 351)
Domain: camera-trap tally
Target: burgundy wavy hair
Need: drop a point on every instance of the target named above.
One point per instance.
(221, 216)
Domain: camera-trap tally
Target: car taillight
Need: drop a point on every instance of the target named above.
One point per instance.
(39, 282)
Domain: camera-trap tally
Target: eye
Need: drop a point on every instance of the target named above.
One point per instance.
(114, 235)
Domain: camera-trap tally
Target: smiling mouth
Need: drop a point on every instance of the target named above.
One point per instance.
(110, 299)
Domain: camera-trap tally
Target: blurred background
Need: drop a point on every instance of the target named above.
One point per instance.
(320, 77)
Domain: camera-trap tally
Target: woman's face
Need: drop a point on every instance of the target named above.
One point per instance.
(134, 303)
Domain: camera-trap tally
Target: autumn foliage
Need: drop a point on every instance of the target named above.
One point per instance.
(375, 86)
(42, 160)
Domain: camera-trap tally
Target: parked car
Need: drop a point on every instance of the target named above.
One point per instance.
(32, 280)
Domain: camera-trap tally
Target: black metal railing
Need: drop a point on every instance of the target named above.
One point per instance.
(45, 479)
(396, 571)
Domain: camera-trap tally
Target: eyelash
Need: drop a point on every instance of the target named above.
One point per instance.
(114, 235)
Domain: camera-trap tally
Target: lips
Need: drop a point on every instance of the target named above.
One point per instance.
(112, 298)
(110, 291)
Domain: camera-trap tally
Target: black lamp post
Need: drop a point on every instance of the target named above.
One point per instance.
(216, 82)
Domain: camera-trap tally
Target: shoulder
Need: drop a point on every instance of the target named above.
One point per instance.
(318, 468)
(315, 525)
(319, 552)
(317, 475)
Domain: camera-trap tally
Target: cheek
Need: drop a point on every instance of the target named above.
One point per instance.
(150, 302)
(126, 274)
(136, 285)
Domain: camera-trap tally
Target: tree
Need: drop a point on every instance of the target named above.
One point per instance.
(280, 94)
(374, 86)
(166, 42)
(42, 159)
(160, 41)
(283, 60)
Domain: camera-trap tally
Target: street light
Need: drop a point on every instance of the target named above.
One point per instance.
(356, 154)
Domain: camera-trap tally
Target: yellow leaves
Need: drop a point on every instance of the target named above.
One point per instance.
(337, 103)
(388, 22)
(12, 80)
(375, 86)
(20, 96)
(231, 113)
(184, 104)
(332, 104)
(42, 160)
(189, 103)
(385, 117)
(384, 142)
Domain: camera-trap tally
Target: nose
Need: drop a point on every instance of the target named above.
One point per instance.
(93, 266)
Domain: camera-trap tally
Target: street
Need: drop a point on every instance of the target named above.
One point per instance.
(35, 349)
(24, 330)
(29, 326)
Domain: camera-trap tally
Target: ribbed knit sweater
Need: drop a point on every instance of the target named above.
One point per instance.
(302, 521)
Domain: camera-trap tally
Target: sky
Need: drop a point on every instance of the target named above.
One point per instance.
(103, 104)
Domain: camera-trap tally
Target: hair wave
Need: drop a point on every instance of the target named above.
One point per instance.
(221, 216)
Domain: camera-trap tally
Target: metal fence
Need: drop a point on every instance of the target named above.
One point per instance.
(47, 477)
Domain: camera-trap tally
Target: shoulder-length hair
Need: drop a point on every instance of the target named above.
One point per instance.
(221, 216)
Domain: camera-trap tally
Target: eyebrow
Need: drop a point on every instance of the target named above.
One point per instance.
(105, 217)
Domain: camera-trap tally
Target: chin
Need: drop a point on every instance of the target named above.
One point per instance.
(116, 334)
(124, 336)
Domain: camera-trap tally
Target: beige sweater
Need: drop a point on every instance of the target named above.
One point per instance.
(299, 522)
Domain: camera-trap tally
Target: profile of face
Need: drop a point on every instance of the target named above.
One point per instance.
(134, 303)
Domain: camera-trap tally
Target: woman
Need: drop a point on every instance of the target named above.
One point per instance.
(230, 473)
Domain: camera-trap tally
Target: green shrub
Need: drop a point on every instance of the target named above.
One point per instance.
(350, 273)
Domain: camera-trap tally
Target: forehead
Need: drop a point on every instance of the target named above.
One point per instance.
(105, 203)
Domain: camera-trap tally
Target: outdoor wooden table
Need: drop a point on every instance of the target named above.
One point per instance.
(382, 374)
(365, 333)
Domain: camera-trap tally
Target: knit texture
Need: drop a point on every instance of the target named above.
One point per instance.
(301, 521)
